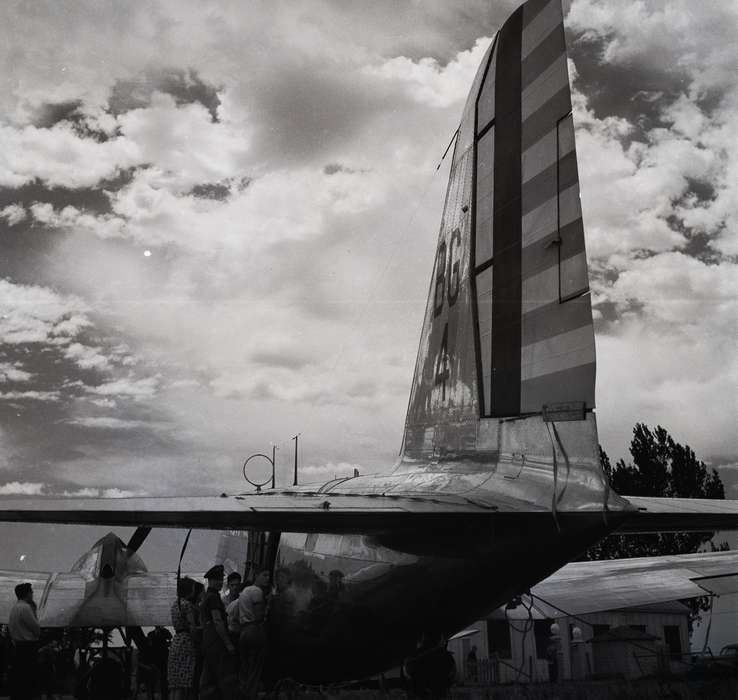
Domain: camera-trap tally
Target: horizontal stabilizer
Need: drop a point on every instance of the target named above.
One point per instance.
(680, 515)
(593, 586)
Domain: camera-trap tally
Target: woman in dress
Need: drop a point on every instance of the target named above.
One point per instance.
(182, 655)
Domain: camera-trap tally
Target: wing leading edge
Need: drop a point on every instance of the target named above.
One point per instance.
(302, 511)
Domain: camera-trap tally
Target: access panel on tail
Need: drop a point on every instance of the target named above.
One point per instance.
(508, 324)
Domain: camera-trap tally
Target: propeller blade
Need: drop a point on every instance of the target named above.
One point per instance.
(137, 538)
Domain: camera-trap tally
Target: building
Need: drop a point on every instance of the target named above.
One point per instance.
(517, 644)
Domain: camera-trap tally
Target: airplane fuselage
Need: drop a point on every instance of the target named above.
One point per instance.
(349, 606)
(354, 606)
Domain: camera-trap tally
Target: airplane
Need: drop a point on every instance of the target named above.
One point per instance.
(499, 484)
(110, 585)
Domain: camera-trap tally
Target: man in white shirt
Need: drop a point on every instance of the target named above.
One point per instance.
(252, 642)
(25, 632)
(233, 621)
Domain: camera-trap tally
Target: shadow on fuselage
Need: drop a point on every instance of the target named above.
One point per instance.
(349, 607)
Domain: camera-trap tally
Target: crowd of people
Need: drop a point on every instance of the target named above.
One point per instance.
(218, 648)
(228, 632)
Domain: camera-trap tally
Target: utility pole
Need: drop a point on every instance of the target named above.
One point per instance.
(294, 483)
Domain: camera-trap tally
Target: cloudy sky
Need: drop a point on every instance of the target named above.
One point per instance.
(218, 220)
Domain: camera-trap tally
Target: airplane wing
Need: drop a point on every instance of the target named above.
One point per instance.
(311, 511)
(680, 515)
(8, 582)
(286, 511)
(150, 597)
(577, 588)
(64, 599)
(591, 586)
(57, 595)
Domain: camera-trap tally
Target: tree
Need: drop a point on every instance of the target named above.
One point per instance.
(660, 467)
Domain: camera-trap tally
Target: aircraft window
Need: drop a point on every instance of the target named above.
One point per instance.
(485, 197)
(484, 316)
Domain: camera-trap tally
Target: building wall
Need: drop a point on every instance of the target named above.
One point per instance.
(576, 660)
(652, 622)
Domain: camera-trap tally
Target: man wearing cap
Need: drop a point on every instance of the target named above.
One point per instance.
(219, 655)
(25, 632)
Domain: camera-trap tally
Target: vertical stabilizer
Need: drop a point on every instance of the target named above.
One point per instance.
(508, 324)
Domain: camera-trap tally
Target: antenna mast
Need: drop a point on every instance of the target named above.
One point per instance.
(294, 483)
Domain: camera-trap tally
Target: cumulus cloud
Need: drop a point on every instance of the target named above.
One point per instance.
(687, 45)
(25, 488)
(28, 488)
(430, 83)
(280, 206)
(109, 423)
(676, 289)
(143, 388)
(13, 214)
(86, 357)
(30, 394)
(120, 493)
(60, 157)
(184, 144)
(71, 218)
(35, 314)
(676, 34)
(99, 493)
(104, 403)
(13, 373)
(630, 188)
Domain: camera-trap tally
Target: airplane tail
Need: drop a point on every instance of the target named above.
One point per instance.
(507, 334)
